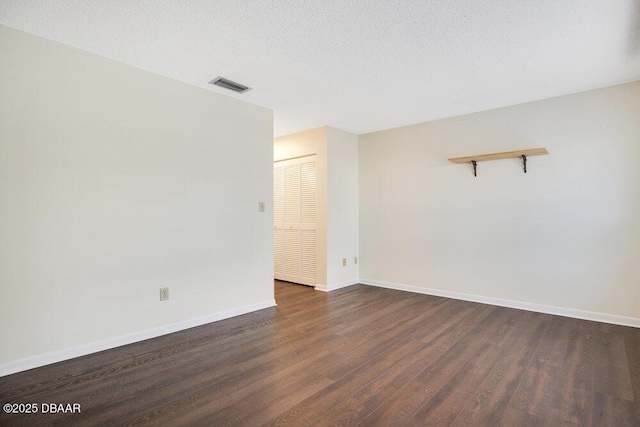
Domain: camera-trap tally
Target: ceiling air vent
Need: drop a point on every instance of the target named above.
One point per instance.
(228, 84)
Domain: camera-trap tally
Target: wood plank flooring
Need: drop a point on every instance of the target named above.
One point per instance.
(357, 356)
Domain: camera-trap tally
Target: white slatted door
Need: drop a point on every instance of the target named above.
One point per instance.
(308, 209)
(295, 185)
(278, 221)
(291, 220)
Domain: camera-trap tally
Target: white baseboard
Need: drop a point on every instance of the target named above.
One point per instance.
(333, 287)
(82, 350)
(540, 308)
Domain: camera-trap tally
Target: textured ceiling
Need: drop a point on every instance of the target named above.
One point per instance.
(360, 66)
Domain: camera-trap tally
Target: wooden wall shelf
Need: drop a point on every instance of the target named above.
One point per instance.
(504, 155)
(523, 154)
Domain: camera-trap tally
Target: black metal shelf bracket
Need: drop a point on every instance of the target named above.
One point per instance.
(475, 167)
(524, 163)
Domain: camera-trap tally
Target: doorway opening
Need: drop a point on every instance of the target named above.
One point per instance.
(295, 233)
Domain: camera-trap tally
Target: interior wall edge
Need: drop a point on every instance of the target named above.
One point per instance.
(520, 305)
(335, 286)
(110, 343)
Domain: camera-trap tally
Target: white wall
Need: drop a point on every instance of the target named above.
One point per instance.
(566, 234)
(115, 182)
(308, 143)
(342, 210)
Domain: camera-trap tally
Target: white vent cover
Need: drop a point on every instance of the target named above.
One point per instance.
(228, 84)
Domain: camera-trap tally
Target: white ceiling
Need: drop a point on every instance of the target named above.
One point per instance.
(360, 66)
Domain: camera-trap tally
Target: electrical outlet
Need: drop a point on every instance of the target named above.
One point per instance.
(355, 259)
(260, 206)
(164, 294)
(344, 262)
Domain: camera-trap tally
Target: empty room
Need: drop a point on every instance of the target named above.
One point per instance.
(363, 213)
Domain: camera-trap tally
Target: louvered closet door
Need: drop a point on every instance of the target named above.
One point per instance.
(308, 213)
(295, 183)
(278, 218)
(291, 220)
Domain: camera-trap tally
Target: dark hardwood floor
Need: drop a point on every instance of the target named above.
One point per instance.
(357, 356)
